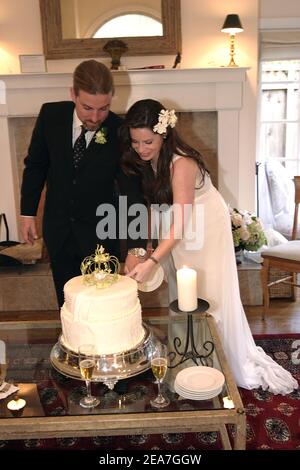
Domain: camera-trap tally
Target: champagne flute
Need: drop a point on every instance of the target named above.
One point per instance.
(159, 366)
(87, 363)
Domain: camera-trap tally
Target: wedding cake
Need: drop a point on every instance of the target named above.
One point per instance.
(101, 311)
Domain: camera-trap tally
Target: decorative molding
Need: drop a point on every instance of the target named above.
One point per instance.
(279, 23)
(185, 89)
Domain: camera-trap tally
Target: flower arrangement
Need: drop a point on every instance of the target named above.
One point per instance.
(247, 231)
(165, 118)
(100, 136)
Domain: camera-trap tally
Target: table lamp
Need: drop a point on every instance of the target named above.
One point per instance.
(232, 25)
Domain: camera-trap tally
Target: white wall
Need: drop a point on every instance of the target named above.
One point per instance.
(279, 8)
(203, 43)
(20, 32)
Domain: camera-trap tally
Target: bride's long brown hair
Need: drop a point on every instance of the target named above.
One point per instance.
(144, 114)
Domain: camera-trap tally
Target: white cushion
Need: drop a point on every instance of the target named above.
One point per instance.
(282, 196)
(282, 188)
(274, 238)
(289, 250)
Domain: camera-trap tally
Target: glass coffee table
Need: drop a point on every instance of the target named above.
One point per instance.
(52, 399)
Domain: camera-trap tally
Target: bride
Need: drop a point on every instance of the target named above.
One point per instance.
(173, 173)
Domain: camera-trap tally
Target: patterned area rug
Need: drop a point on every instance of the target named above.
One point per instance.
(272, 421)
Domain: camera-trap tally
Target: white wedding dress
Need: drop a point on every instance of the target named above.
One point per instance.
(218, 284)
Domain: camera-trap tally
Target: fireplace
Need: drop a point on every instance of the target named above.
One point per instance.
(209, 102)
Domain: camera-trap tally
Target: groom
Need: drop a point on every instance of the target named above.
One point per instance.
(74, 150)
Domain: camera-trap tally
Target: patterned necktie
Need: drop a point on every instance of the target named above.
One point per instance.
(79, 147)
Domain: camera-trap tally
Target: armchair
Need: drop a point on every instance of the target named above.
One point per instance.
(285, 257)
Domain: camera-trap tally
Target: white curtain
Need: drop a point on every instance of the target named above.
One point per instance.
(280, 45)
(276, 197)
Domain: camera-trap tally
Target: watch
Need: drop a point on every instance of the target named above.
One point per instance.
(138, 252)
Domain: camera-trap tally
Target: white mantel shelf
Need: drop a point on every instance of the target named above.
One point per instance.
(187, 90)
(184, 89)
(209, 74)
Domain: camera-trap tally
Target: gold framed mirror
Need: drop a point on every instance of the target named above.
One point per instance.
(57, 47)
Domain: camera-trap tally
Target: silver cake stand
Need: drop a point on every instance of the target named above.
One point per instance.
(109, 367)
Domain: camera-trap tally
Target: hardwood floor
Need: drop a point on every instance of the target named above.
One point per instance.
(284, 316)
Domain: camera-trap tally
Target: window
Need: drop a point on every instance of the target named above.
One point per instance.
(279, 114)
(129, 26)
(279, 143)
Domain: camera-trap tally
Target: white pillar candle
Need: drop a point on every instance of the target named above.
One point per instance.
(187, 289)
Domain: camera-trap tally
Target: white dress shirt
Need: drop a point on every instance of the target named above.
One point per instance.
(77, 130)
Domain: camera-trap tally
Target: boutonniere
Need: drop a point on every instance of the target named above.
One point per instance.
(100, 136)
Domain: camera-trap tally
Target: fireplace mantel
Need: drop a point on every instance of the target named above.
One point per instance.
(208, 89)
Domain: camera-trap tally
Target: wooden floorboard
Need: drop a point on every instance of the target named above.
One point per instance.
(284, 317)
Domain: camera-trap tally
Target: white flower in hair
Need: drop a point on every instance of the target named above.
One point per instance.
(165, 118)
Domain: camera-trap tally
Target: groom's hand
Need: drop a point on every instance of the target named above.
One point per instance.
(28, 229)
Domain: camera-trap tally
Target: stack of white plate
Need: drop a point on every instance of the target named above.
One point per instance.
(199, 383)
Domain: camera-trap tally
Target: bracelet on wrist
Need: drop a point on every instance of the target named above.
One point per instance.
(153, 259)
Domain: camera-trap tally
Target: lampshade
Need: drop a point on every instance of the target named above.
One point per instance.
(232, 24)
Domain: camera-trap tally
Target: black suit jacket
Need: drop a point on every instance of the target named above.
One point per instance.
(72, 196)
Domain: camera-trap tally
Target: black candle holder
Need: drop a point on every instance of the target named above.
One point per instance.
(191, 353)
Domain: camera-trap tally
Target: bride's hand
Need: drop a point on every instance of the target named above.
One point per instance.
(142, 271)
(130, 263)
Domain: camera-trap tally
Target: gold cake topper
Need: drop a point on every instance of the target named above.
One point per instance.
(100, 269)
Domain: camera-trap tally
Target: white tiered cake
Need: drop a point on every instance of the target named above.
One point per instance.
(110, 317)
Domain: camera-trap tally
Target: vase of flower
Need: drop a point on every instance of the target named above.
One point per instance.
(247, 232)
